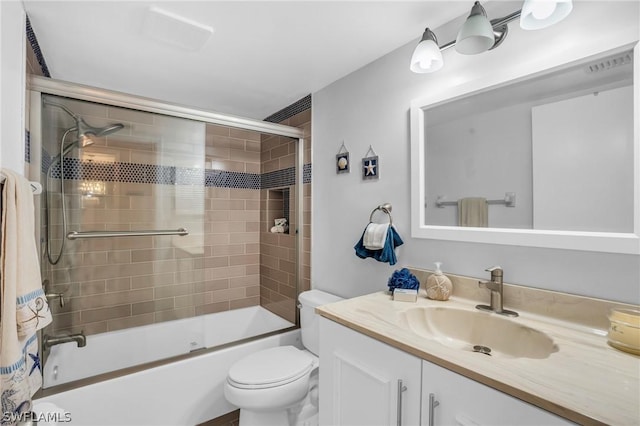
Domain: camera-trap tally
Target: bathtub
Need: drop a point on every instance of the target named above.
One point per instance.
(116, 350)
(186, 392)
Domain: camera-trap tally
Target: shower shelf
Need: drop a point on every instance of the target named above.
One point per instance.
(74, 235)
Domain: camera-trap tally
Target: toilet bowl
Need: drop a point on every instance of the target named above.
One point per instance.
(279, 386)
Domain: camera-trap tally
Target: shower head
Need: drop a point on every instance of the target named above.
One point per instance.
(80, 143)
(85, 131)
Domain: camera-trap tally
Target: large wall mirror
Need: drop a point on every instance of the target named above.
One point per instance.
(548, 160)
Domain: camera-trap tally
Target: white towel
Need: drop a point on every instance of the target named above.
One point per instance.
(375, 236)
(473, 212)
(24, 306)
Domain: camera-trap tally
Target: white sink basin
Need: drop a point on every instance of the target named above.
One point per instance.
(476, 331)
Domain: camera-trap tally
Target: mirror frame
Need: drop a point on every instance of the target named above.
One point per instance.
(627, 243)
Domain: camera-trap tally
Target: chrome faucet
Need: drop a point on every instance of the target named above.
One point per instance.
(50, 295)
(49, 341)
(495, 285)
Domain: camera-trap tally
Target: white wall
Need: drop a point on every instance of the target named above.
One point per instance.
(583, 163)
(371, 106)
(12, 84)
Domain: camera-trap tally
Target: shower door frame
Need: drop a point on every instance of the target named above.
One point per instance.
(38, 86)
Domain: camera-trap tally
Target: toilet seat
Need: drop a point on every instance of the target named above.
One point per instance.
(271, 368)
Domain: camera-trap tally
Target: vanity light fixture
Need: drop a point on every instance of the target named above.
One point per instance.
(476, 34)
(537, 14)
(479, 34)
(427, 56)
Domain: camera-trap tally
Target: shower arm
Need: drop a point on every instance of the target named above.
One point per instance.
(64, 108)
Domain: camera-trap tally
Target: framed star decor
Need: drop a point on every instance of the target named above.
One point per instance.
(342, 160)
(370, 165)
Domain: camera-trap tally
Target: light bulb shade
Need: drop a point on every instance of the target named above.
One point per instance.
(476, 35)
(427, 56)
(537, 14)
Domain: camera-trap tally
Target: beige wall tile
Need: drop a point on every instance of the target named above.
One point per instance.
(228, 294)
(92, 287)
(102, 314)
(246, 281)
(129, 322)
(244, 303)
(152, 306)
(173, 290)
(118, 284)
(244, 134)
(246, 259)
(212, 308)
(145, 281)
(174, 314)
(197, 299)
(211, 285)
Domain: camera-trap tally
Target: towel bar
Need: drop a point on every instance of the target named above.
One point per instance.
(509, 200)
(386, 207)
(74, 235)
(36, 187)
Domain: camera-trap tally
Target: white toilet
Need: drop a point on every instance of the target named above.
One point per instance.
(279, 386)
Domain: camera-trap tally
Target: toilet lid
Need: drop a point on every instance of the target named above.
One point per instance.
(271, 367)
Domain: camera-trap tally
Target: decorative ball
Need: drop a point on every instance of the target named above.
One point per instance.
(439, 287)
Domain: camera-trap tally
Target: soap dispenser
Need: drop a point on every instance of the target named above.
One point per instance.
(439, 286)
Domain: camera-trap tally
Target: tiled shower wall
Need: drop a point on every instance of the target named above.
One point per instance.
(278, 251)
(116, 283)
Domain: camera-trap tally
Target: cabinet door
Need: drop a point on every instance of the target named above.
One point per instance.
(364, 381)
(465, 402)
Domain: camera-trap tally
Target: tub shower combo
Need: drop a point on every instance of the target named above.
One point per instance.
(157, 256)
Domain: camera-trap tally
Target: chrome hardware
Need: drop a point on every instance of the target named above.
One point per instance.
(60, 296)
(432, 406)
(495, 285)
(49, 296)
(482, 349)
(49, 341)
(74, 235)
(509, 200)
(385, 208)
(401, 388)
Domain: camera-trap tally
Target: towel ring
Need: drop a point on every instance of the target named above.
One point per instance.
(386, 207)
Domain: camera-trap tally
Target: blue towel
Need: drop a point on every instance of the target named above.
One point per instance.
(385, 254)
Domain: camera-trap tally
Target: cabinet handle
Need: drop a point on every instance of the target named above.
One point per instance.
(401, 388)
(432, 405)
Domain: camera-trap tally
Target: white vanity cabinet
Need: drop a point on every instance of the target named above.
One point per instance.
(364, 381)
(453, 399)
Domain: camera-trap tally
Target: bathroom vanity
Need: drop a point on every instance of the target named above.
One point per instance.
(387, 362)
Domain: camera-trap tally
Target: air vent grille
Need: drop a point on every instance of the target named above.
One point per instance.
(611, 62)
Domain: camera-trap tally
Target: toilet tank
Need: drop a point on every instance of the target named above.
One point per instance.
(309, 325)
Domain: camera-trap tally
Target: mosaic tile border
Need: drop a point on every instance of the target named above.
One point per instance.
(33, 41)
(46, 161)
(27, 146)
(293, 109)
(169, 175)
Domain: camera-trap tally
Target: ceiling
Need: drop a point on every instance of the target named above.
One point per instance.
(262, 56)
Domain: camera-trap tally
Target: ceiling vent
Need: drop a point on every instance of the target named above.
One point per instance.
(610, 62)
(175, 30)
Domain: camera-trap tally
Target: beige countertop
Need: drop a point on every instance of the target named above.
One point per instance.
(585, 381)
